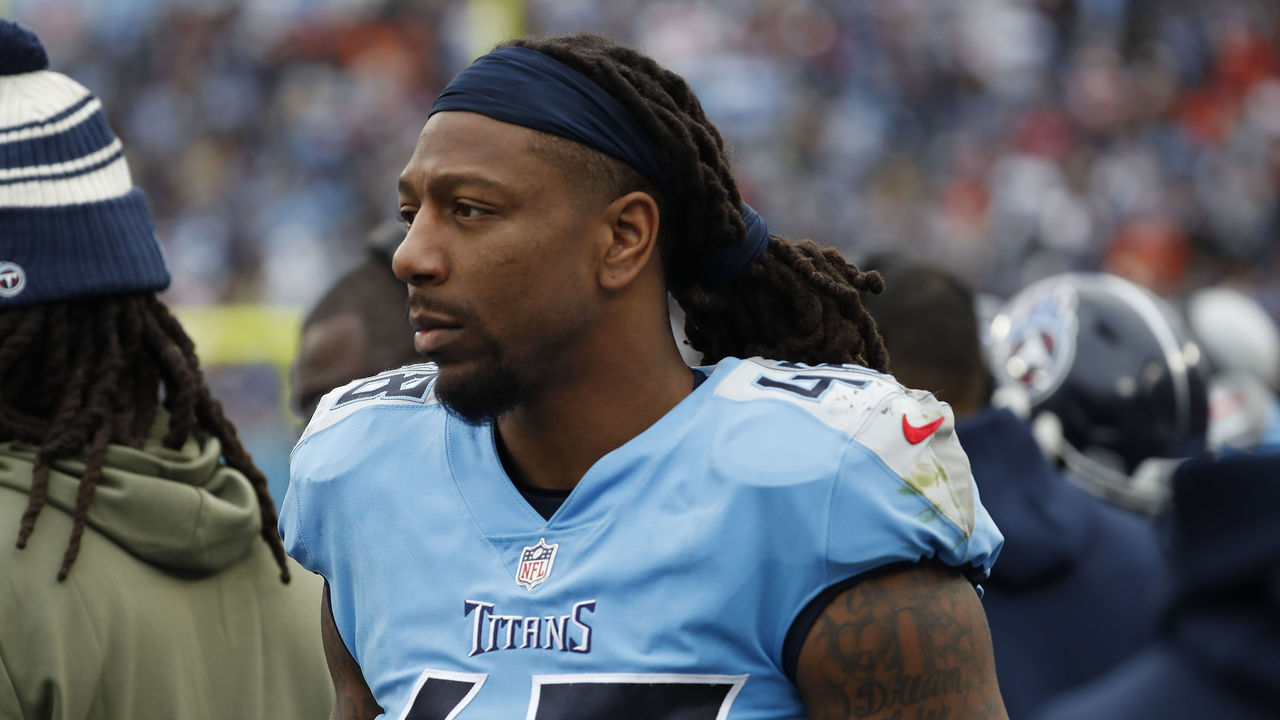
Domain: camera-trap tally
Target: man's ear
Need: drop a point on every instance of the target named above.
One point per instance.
(632, 239)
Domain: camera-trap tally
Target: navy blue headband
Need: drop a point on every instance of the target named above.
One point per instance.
(526, 88)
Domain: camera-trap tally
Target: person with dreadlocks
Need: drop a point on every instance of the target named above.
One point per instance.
(143, 576)
(556, 517)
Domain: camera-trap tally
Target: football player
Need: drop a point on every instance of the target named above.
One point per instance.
(557, 518)
(1117, 390)
(1081, 584)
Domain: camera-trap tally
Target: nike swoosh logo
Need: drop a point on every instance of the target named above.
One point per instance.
(916, 435)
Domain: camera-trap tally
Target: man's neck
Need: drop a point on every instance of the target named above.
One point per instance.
(552, 441)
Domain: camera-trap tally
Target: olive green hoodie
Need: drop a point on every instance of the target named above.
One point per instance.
(174, 607)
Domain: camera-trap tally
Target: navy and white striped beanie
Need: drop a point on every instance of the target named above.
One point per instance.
(72, 225)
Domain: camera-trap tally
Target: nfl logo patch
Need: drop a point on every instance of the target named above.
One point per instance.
(535, 563)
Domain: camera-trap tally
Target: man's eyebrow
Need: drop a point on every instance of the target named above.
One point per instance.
(446, 181)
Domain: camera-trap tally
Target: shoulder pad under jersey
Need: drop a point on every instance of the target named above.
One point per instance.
(910, 431)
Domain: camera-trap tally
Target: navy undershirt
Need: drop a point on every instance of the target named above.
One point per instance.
(545, 500)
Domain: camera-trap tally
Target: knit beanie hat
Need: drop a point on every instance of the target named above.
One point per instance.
(71, 223)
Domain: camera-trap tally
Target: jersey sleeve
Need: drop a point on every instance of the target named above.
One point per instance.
(881, 471)
(904, 493)
(298, 512)
(293, 518)
(874, 477)
(327, 454)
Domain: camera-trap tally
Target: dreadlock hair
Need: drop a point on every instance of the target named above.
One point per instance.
(798, 301)
(77, 375)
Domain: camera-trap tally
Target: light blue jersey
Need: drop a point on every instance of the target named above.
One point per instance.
(667, 582)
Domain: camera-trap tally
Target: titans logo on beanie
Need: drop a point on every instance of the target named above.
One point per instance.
(72, 225)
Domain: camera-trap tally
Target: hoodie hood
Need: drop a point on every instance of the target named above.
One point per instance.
(179, 509)
(1226, 538)
(1046, 521)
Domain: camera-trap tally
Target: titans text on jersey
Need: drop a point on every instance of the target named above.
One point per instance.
(523, 632)
(669, 581)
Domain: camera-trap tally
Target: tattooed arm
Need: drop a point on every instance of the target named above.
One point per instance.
(910, 644)
(354, 701)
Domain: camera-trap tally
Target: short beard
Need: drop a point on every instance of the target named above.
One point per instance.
(483, 395)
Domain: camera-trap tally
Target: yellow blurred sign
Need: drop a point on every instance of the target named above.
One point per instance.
(247, 335)
(243, 334)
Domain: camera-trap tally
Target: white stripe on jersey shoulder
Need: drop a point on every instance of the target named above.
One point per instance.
(408, 384)
(910, 431)
(845, 397)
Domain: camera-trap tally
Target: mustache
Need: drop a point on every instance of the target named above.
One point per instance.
(460, 312)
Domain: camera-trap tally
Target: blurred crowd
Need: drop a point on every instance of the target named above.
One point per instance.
(1008, 139)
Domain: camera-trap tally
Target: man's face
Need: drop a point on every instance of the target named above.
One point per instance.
(499, 259)
(332, 354)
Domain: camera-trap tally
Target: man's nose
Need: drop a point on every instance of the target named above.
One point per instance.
(420, 259)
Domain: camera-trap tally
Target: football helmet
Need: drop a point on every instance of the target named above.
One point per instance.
(1114, 387)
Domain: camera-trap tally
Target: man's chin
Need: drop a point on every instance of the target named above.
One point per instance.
(477, 395)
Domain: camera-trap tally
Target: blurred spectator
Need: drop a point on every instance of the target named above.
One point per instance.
(1219, 652)
(1080, 584)
(1150, 252)
(359, 328)
(271, 131)
(1117, 392)
(1007, 140)
(147, 578)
